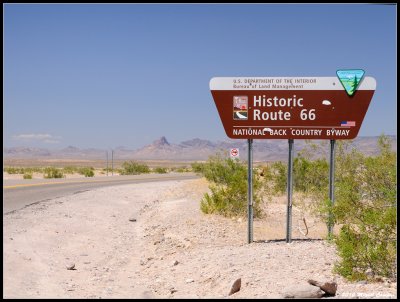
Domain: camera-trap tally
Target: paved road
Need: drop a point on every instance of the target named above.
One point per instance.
(17, 194)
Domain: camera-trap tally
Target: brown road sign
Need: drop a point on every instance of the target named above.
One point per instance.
(290, 107)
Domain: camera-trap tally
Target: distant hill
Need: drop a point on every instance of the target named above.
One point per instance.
(25, 152)
(192, 150)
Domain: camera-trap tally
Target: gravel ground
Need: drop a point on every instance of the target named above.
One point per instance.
(151, 240)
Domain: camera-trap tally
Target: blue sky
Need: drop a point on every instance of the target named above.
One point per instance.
(123, 75)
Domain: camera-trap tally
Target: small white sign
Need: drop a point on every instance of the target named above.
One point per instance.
(234, 153)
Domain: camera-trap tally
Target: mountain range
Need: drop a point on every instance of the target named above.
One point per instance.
(194, 150)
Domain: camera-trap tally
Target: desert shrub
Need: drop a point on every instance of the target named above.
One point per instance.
(17, 170)
(14, 170)
(87, 171)
(228, 185)
(182, 169)
(276, 179)
(52, 172)
(134, 168)
(70, 170)
(113, 170)
(33, 170)
(28, 176)
(197, 167)
(366, 204)
(309, 176)
(365, 207)
(160, 170)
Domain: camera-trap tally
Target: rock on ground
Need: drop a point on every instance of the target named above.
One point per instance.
(328, 287)
(235, 286)
(302, 291)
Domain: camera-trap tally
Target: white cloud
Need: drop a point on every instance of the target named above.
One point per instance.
(41, 137)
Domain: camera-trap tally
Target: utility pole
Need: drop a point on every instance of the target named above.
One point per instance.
(112, 162)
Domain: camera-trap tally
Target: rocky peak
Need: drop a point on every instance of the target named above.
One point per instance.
(162, 141)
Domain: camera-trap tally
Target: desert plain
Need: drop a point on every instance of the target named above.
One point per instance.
(151, 240)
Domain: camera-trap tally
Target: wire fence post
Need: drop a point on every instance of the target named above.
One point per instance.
(331, 186)
(289, 192)
(250, 190)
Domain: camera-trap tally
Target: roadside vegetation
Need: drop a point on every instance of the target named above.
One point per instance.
(133, 168)
(86, 171)
(364, 209)
(366, 205)
(198, 167)
(182, 169)
(160, 170)
(27, 176)
(365, 200)
(21, 170)
(52, 172)
(228, 185)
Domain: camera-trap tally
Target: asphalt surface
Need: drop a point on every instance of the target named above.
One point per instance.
(18, 194)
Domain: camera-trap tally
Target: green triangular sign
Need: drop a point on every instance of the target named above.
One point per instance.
(350, 78)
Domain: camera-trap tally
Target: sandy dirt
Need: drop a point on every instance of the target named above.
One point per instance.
(170, 250)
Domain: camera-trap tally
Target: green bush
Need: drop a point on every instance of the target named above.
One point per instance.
(366, 204)
(33, 170)
(309, 176)
(52, 172)
(182, 169)
(14, 170)
(29, 170)
(87, 171)
(228, 187)
(134, 168)
(276, 179)
(160, 170)
(28, 176)
(197, 167)
(70, 170)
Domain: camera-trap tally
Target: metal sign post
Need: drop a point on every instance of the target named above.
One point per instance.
(331, 185)
(250, 190)
(107, 161)
(289, 191)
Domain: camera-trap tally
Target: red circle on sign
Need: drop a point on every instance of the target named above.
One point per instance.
(234, 152)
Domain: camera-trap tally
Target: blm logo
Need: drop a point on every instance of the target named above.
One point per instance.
(240, 108)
